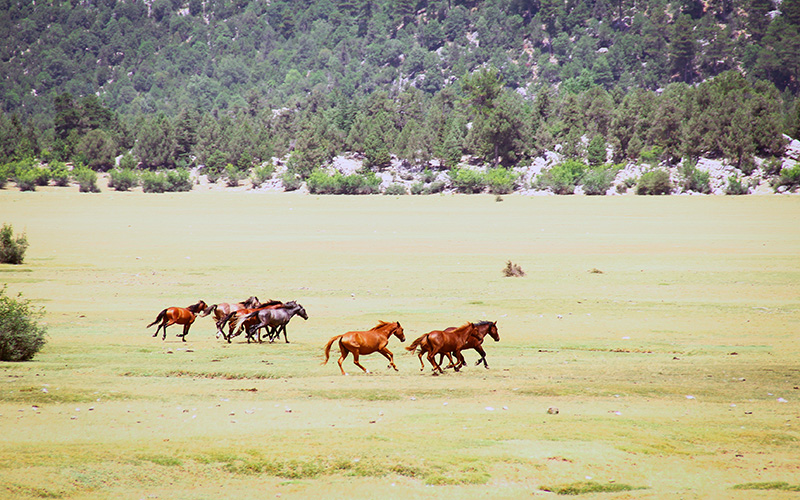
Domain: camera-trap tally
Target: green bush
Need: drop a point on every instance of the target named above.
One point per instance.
(435, 187)
(291, 181)
(654, 182)
(501, 180)
(232, 175)
(262, 174)
(469, 181)
(695, 179)
(319, 182)
(790, 177)
(26, 179)
(154, 182)
(418, 188)
(651, 155)
(12, 249)
(4, 171)
(597, 181)
(562, 177)
(123, 179)
(86, 179)
(41, 176)
(59, 173)
(396, 189)
(735, 186)
(178, 179)
(128, 161)
(21, 337)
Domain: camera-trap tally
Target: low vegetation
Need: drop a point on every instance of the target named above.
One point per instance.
(12, 248)
(21, 337)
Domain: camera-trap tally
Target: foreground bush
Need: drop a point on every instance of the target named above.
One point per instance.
(86, 179)
(123, 179)
(59, 173)
(562, 178)
(654, 182)
(262, 174)
(597, 180)
(319, 182)
(501, 180)
(12, 250)
(26, 179)
(468, 181)
(168, 181)
(695, 179)
(20, 336)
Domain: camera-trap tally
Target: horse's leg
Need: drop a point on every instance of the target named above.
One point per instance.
(450, 357)
(388, 355)
(432, 361)
(341, 358)
(355, 360)
(482, 358)
(185, 331)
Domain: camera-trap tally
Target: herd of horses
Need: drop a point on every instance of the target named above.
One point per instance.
(251, 317)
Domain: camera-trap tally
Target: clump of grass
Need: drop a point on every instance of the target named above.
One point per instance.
(585, 487)
(770, 485)
(164, 460)
(513, 270)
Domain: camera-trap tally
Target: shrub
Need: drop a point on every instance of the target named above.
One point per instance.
(596, 152)
(790, 176)
(86, 179)
(469, 181)
(435, 187)
(41, 176)
(651, 155)
(396, 189)
(513, 270)
(154, 182)
(25, 179)
(418, 188)
(123, 179)
(695, 179)
(232, 175)
(772, 166)
(562, 177)
(127, 161)
(4, 171)
(501, 180)
(178, 179)
(262, 174)
(12, 250)
(20, 336)
(598, 180)
(735, 186)
(654, 182)
(291, 181)
(59, 173)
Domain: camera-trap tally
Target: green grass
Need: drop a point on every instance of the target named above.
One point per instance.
(585, 487)
(774, 485)
(652, 382)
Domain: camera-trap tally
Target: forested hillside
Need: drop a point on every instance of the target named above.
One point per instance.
(235, 83)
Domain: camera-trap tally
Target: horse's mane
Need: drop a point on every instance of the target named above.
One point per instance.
(271, 303)
(195, 307)
(382, 324)
(483, 323)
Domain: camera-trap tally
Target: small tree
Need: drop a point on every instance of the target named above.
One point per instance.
(12, 250)
(20, 336)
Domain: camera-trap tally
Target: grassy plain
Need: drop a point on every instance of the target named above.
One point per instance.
(665, 331)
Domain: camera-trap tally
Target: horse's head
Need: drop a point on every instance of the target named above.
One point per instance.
(493, 331)
(398, 332)
(301, 311)
(251, 303)
(199, 307)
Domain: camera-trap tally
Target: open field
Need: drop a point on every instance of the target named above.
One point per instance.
(665, 331)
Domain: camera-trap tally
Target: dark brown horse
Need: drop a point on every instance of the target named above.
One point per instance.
(223, 309)
(178, 315)
(233, 317)
(474, 341)
(448, 342)
(363, 343)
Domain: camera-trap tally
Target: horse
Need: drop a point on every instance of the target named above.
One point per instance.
(448, 342)
(275, 318)
(474, 341)
(223, 309)
(363, 343)
(232, 318)
(181, 315)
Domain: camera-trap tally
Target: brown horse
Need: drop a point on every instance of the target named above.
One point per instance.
(447, 342)
(474, 341)
(363, 343)
(181, 315)
(234, 317)
(223, 309)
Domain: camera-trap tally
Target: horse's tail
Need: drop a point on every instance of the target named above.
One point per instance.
(158, 318)
(208, 310)
(240, 321)
(417, 343)
(328, 347)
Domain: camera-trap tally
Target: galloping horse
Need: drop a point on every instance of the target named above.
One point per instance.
(275, 318)
(223, 309)
(474, 341)
(232, 318)
(363, 343)
(180, 315)
(449, 341)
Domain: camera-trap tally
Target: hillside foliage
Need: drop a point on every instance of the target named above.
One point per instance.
(223, 82)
